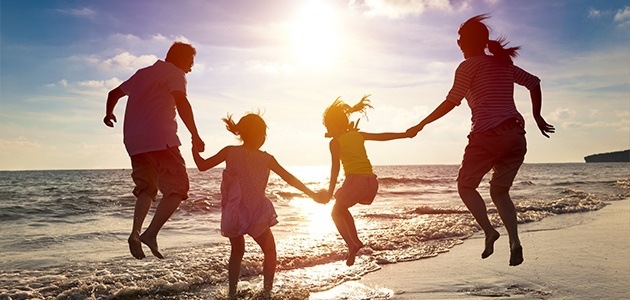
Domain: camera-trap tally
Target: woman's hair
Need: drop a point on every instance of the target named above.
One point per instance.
(474, 33)
(336, 115)
(249, 127)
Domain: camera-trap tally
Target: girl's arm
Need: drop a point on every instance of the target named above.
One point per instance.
(536, 97)
(205, 164)
(290, 179)
(335, 150)
(385, 136)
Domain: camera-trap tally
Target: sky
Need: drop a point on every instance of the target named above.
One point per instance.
(290, 59)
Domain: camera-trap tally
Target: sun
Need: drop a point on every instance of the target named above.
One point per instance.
(315, 34)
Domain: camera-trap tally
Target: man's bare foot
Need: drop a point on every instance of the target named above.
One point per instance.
(352, 253)
(152, 244)
(516, 255)
(490, 239)
(135, 247)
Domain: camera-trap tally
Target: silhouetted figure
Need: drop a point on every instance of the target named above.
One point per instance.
(245, 209)
(497, 137)
(360, 184)
(155, 94)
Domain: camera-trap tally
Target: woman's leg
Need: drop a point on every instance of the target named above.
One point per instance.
(234, 265)
(507, 212)
(475, 204)
(267, 243)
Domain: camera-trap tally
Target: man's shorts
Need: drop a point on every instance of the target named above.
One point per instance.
(357, 188)
(501, 149)
(164, 170)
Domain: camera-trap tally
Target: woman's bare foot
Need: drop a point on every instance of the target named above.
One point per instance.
(352, 253)
(135, 247)
(516, 255)
(490, 239)
(152, 244)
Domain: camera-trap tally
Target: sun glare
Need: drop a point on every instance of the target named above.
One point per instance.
(316, 215)
(315, 35)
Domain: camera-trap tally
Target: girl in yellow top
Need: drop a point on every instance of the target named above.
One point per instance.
(360, 184)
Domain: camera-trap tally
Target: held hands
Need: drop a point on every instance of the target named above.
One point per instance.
(322, 197)
(544, 126)
(198, 145)
(413, 131)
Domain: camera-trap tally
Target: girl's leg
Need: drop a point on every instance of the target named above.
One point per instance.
(345, 225)
(234, 265)
(507, 212)
(267, 243)
(477, 207)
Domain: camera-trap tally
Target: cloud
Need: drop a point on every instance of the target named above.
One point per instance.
(594, 13)
(401, 8)
(622, 17)
(84, 12)
(560, 114)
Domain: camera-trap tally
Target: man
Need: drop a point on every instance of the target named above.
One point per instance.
(155, 93)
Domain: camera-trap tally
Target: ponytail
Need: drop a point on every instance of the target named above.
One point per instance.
(499, 50)
(230, 125)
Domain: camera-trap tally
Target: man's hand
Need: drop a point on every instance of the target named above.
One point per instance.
(198, 145)
(109, 120)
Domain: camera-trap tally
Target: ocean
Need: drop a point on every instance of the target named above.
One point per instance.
(63, 232)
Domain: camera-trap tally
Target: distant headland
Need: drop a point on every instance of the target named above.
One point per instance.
(617, 156)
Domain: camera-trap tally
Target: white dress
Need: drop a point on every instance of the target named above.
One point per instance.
(245, 208)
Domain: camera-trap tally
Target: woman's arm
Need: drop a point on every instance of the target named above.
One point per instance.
(205, 164)
(442, 109)
(335, 150)
(535, 94)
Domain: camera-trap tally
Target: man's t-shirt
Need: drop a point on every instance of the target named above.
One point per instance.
(150, 116)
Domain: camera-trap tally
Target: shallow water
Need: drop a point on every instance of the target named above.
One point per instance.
(64, 232)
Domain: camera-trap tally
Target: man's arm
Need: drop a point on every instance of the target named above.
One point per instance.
(186, 114)
(112, 99)
(385, 136)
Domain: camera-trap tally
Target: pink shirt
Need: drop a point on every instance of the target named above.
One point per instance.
(488, 85)
(150, 123)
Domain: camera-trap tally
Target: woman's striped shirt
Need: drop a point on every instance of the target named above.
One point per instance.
(488, 86)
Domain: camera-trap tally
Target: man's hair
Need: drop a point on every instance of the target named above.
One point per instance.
(180, 52)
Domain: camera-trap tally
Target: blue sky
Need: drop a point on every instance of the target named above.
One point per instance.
(290, 59)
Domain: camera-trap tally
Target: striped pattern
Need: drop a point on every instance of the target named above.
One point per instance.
(488, 86)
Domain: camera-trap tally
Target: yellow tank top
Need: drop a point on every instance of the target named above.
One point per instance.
(353, 156)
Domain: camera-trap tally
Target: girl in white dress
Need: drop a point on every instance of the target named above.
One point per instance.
(245, 209)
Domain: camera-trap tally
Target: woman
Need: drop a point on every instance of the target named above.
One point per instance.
(497, 137)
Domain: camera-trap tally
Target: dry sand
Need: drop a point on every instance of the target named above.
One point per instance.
(571, 256)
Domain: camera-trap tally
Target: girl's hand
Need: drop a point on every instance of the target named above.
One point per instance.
(322, 197)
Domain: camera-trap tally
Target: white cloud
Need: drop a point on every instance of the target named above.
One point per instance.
(594, 13)
(622, 17)
(84, 12)
(401, 8)
(128, 61)
(560, 114)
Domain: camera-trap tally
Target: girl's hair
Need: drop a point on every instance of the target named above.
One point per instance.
(476, 34)
(248, 128)
(336, 115)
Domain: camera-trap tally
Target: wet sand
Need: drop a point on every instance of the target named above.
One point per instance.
(571, 256)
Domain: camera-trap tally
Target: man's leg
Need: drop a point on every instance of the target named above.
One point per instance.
(168, 205)
(143, 204)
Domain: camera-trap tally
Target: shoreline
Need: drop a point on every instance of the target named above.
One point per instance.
(569, 256)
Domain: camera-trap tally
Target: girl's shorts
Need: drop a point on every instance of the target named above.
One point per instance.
(357, 188)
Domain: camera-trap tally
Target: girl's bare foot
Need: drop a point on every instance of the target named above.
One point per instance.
(135, 247)
(352, 253)
(516, 255)
(152, 244)
(490, 239)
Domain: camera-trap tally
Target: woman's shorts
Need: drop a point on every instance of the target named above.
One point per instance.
(501, 149)
(357, 188)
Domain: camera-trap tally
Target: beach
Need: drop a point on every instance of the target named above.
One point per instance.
(568, 256)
